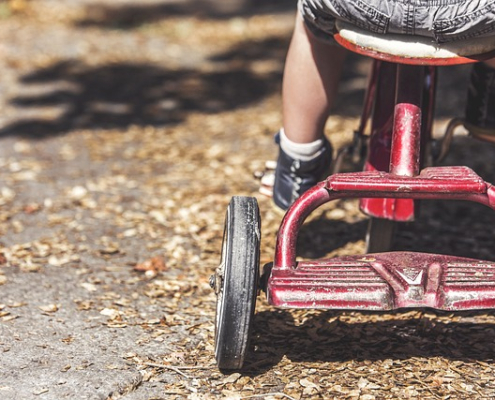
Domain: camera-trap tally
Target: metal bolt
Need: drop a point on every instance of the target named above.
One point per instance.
(213, 282)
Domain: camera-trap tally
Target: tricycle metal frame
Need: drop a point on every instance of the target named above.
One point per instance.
(400, 104)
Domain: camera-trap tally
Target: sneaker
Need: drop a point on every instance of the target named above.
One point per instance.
(294, 177)
(480, 108)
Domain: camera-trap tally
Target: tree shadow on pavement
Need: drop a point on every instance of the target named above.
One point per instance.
(130, 16)
(123, 94)
(323, 337)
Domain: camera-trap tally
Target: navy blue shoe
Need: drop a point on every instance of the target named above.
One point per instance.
(294, 177)
(480, 107)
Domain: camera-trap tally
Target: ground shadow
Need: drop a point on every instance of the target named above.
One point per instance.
(454, 227)
(321, 236)
(452, 84)
(323, 337)
(461, 229)
(131, 16)
(452, 89)
(124, 94)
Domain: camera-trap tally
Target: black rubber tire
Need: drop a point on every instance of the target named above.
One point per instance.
(380, 235)
(237, 280)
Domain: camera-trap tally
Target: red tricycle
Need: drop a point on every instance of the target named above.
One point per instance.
(398, 109)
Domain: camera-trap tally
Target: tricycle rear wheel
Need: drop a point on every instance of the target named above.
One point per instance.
(380, 235)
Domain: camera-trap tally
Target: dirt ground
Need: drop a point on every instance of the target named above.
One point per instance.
(125, 129)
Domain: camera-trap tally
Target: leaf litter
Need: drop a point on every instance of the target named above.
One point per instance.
(167, 187)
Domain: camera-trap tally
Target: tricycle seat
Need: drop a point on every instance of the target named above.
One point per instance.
(415, 50)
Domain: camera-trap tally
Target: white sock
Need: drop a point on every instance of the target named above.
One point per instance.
(300, 151)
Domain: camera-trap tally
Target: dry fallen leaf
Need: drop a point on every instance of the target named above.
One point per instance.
(232, 378)
(308, 384)
(17, 5)
(89, 286)
(30, 267)
(32, 208)
(231, 395)
(155, 264)
(50, 308)
(109, 312)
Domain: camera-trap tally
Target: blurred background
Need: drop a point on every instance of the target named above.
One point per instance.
(114, 63)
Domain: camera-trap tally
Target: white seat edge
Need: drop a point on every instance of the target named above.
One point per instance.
(413, 46)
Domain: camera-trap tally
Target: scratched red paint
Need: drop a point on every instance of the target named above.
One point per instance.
(390, 183)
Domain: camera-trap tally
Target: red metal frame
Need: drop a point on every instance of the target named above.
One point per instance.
(447, 183)
(386, 281)
(419, 82)
(400, 102)
(334, 285)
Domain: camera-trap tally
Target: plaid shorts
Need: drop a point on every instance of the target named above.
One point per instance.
(441, 20)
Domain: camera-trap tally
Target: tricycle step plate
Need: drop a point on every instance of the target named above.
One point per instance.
(430, 180)
(385, 281)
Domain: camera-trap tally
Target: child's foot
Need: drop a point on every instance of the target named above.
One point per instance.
(293, 176)
(480, 108)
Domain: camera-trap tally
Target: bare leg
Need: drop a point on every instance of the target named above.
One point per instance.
(311, 76)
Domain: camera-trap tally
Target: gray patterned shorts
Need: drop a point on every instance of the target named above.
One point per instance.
(441, 20)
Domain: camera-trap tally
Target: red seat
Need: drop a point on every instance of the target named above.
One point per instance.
(414, 50)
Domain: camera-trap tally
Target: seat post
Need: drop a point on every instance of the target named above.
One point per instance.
(406, 137)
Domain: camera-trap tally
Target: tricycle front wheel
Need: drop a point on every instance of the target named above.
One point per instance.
(236, 282)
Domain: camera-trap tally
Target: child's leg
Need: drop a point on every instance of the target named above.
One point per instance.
(311, 77)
